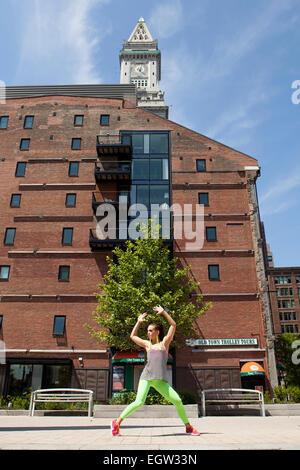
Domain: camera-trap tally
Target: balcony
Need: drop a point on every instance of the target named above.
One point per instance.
(97, 243)
(110, 143)
(109, 197)
(113, 171)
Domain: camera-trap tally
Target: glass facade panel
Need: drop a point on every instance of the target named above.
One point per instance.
(140, 169)
(138, 143)
(19, 379)
(159, 194)
(56, 376)
(159, 143)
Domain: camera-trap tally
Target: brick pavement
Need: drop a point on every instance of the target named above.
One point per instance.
(83, 433)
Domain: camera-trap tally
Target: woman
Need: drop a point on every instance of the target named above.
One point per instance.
(155, 371)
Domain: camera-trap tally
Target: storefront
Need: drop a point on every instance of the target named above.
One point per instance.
(127, 367)
(25, 375)
(253, 376)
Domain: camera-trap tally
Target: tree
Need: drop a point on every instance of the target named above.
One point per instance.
(288, 356)
(141, 276)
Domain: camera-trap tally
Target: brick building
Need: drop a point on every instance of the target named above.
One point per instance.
(64, 151)
(284, 285)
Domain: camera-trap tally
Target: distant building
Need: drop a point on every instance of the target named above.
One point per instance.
(65, 151)
(140, 63)
(284, 286)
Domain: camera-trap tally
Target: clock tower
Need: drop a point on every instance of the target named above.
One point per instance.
(140, 63)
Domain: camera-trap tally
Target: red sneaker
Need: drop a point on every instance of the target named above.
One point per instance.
(115, 428)
(190, 430)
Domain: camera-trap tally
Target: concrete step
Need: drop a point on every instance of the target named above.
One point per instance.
(145, 411)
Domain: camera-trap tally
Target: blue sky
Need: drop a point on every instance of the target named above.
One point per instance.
(227, 72)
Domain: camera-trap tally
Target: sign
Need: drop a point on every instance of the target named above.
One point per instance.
(118, 378)
(222, 342)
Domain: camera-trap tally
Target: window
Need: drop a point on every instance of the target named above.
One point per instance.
(59, 325)
(159, 143)
(4, 273)
(282, 280)
(70, 200)
(24, 144)
(73, 168)
(201, 165)
(67, 236)
(1, 320)
(213, 272)
(140, 83)
(286, 303)
(289, 329)
(63, 273)
(20, 169)
(104, 120)
(211, 234)
(287, 316)
(203, 199)
(140, 169)
(76, 144)
(78, 120)
(3, 122)
(159, 169)
(284, 291)
(9, 238)
(140, 143)
(15, 200)
(155, 169)
(28, 122)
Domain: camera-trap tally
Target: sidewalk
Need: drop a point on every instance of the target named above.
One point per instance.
(83, 433)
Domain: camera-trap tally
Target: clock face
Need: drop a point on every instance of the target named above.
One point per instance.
(139, 70)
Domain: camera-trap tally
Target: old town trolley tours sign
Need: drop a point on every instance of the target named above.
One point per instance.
(222, 342)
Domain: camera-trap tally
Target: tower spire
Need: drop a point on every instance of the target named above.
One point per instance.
(140, 63)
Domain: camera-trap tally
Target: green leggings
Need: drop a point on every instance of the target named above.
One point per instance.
(164, 389)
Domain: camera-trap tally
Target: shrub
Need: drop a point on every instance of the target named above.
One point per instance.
(294, 393)
(125, 397)
(280, 393)
(187, 397)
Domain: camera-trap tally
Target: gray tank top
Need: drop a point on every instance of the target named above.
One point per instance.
(156, 367)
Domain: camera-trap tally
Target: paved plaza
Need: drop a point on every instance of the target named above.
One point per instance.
(83, 433)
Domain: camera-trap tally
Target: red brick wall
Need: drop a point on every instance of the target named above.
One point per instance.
(236, 317)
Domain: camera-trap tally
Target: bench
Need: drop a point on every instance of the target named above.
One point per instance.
(232, 396)
(64, 395)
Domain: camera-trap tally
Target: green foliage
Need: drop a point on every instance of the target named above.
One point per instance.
(280, 393)
(144, 275)
(23, 402)
(284, 394)
(284, 354)
(267, 397)
(125, 397)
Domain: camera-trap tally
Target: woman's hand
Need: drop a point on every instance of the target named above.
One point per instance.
(158, 309)
(142, 317)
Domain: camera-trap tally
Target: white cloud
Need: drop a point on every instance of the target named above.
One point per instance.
(167, 18)
(281, 195)
(284, 185)
(58, 36)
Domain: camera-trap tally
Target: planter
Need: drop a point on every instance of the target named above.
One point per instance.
(145, 411)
